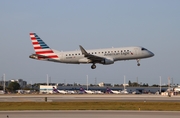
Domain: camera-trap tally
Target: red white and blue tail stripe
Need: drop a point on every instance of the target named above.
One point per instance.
(41, 48)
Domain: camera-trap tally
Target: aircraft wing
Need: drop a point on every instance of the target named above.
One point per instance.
(93, 58)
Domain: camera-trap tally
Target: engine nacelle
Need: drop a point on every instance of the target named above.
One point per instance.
(107, 61)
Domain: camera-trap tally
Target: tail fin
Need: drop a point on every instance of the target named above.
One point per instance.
(81, 90)
(108, 90)
(41, 48)
(55, 90)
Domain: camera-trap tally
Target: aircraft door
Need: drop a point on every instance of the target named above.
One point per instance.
(61, 56)
(136, 50)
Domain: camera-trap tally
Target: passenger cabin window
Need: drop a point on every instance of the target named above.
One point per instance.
(69, 54)
(79, 53)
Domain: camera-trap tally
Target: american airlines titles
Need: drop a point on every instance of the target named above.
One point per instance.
(110, 54)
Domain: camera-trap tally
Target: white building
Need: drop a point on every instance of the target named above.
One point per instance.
(46, 89)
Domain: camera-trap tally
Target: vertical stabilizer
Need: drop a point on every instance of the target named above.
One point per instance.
(41, 48)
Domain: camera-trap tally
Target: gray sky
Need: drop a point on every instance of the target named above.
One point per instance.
(64, 25)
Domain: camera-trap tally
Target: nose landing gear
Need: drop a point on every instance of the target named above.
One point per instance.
(138, 64)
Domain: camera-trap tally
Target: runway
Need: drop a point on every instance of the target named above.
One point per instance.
(86, 97)
(89, 114)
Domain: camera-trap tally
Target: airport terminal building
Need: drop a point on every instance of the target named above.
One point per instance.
(49, 89)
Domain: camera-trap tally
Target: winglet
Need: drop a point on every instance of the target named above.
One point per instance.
(83, 50)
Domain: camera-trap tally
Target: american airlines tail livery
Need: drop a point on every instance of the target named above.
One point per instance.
(102, 56)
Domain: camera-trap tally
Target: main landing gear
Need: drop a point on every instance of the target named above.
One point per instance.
(93, 66)
(138, 64)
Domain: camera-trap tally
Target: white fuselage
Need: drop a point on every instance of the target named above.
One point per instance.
(114, 54)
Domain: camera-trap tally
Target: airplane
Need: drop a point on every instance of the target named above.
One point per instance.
(115, 92)
(98, 92)
(71, 92)
(62, 91)
(85, 91)
(89, 92)
(55, 90)
(177, 89)
(109, 91)
(124, 91)
(101, 56)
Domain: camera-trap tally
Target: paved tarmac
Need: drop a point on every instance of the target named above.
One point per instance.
(86, 97)
(89, 114)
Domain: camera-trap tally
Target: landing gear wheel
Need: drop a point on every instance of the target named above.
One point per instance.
(93, 66)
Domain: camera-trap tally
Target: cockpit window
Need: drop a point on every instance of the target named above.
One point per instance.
(143, 49)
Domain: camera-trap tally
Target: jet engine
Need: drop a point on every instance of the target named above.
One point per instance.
(107, 61)
(84, 60)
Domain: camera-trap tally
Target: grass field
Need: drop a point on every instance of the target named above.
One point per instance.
(91, 105)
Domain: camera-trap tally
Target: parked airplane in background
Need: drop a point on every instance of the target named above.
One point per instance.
(70, 92)
(86, 91)
(59, 91)
(124, 91)
(177, 89)
(89, 92)
(98, 92)
(62, 91)
(115, 92)
(102, 56)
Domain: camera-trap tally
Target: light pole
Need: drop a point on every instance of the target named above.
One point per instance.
(160, 84)
(87, 82)
(47, 80)
(4, 87)
(124, 81)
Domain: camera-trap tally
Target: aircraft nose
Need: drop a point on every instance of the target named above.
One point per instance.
(151, 54)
